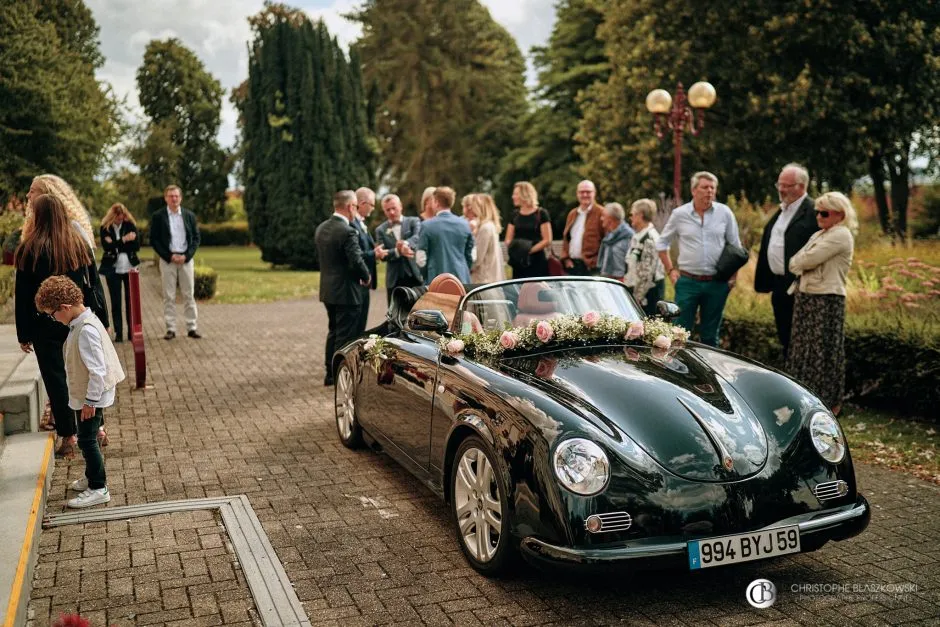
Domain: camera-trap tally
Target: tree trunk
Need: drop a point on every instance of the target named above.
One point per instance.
(899, 171)
(876, 169)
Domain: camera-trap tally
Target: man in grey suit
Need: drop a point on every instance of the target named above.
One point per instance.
(445, 243)
(391, 238)
(343, 273)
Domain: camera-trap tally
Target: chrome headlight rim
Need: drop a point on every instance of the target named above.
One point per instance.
(827, 437)
(594, 466)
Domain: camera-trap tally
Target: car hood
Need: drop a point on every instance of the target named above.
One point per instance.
(672, 404)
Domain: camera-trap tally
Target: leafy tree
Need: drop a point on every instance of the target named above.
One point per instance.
(54, 115)
(452, 92)
(305, 134)
(184, 103)
(573, 61)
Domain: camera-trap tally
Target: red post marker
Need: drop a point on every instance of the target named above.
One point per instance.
(137, 330)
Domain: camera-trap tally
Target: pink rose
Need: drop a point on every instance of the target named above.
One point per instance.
(634, 331)
(662, 342)
(543, 331)
(659, 353)
(508, 340)
(546, 368)
(632, 354)
(454, 347)
(369, 345)
(590, 319)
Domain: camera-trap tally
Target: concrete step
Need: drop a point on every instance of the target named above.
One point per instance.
(23, 397)
(26, 464)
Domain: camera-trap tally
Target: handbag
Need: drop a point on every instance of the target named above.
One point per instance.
(94, 297)
(731, 260)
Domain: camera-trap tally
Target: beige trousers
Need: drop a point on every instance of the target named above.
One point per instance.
(174, 275)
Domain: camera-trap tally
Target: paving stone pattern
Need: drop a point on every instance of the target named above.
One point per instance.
(243, 411)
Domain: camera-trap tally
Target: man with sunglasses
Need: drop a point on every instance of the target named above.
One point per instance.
(787, 232)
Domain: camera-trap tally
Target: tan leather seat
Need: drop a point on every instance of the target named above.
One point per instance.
(530, 308)
(447, 283)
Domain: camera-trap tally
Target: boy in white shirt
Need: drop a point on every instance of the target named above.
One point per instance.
(92, 370)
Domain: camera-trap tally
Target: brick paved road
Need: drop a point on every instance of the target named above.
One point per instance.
(242, 411)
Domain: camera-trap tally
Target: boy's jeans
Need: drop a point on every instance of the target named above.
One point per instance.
(88, 443)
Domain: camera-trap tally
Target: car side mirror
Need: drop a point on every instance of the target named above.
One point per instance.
(668, 310)
(432, 320)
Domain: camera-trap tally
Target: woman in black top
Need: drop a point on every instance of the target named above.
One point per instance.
(529, 234)
(120, 244)
(53, 247)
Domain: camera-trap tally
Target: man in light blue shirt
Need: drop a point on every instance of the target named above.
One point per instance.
(702, 228)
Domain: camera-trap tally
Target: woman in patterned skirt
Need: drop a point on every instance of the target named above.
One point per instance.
(817, 350)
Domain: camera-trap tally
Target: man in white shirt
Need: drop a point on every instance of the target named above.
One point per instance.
(584, 230)
(175, 237)
(786, 233)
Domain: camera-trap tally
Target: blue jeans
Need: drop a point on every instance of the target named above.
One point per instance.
(706, 297)
(88, 444)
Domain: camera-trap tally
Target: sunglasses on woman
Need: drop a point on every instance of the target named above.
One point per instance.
(825, 214)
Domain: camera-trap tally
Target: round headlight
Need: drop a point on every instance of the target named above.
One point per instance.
(581, 466)
(827, 437)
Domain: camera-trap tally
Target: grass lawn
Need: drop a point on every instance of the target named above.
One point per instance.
(883, 439)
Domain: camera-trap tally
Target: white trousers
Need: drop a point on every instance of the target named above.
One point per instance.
(174, 275)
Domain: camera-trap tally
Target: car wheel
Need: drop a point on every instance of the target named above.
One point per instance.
(350, 433)
(480, 508)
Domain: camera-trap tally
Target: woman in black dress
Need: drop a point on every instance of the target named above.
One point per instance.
(529, 234)
(120, 244)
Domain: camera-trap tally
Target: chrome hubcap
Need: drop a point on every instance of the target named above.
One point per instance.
(476, 499)
(345, 405)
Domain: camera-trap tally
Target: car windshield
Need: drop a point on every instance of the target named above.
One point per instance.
(517, 303)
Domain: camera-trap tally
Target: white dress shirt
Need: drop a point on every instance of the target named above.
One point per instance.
(178, 242)
(123, 264)
(92, 353)
(577, 233)
(775, 249)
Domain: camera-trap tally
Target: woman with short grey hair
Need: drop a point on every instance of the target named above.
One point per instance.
(613, 250)
(646, 276)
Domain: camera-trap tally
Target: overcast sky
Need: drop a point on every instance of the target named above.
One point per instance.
(217, 31)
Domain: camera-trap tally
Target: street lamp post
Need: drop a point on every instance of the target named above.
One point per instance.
(683, 113)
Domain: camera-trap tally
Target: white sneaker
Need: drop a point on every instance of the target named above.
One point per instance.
(90, 497)
(79, 485)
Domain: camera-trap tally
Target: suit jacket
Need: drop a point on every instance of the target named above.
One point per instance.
(448, 242)
(118, 246)
(798, 232)
(398, 268)
(367, 244)
(593, 234)
(160, 233)
(341, 262)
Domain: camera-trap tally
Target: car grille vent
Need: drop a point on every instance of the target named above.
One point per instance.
(831, 490)
(611, 521)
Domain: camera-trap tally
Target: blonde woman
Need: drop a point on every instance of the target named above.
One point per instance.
(529, 234)
(427, 209)
(470, 214)
(817, 343)
(56, 186)
(489, 264)
(120, 244)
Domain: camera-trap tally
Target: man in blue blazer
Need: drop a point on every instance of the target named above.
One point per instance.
(365, 203)
(445, 243)
(400, 269)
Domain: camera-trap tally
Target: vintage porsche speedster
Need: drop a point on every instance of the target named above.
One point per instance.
(556, 422)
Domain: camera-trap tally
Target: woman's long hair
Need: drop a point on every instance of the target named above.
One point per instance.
(117, 209)
(485, 208)
(527, 193)
(74, 209)
(54, 236)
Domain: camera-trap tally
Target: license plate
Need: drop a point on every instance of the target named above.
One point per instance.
(743, 547)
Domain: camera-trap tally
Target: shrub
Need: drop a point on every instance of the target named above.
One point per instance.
(206, 280)
(896, 368)
(751, 219)
(927, 222)
(225, 234)
(7, 283)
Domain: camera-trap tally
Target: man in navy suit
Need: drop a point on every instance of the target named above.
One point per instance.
(392, 237)
(445, 241)
(343, 272)
(365, 203)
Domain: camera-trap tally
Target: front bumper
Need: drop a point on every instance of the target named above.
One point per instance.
(816, 528)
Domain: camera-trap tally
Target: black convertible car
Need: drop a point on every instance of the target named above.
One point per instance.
(551, 435)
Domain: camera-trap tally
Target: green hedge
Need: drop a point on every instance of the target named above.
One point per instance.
(206, 280)
(890, 368)
(7, 284)
(216, 234)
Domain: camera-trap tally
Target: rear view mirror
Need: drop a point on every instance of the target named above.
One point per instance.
(431, 320)
(668, 310)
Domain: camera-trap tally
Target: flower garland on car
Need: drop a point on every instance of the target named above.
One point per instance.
(377, 350)
(567, 330)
